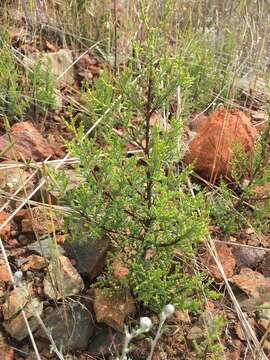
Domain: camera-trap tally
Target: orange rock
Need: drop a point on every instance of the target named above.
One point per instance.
(6, 229)
(112, 309)
(29, 144)
(226, 258)
(6, 352)
(35, 262)
(22, 214)
(253, 283)
(120, 270)
(41, 221)
(4, 273)
(213, 145)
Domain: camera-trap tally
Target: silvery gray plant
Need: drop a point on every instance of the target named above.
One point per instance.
(145, 326)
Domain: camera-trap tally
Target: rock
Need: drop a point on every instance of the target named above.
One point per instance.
(264, 323)
(226, 258)
(263, 314)
(252, 283)
(5, 231)
(12, 177)
(16, 326)
(16, 300)
(60, 63)
(74, 180)
(29, 144)
(14, 322)
(45, 247)
(254, 84)
(265, 266)
(120, 270)
(26, 239)
(34, 262)
(6, 352)
(4, 273)
(71, 327)
(105, 342)
(112, 309)
(62, 279)
(248, 257)
(196, 334)
(182, 316)
(235, 353)
(2, 290)
(239, 330)
(41, 221)
(250, 231)
(213, 146)
(87, 67)
(90, 255)
(266, 345)
(259, 116)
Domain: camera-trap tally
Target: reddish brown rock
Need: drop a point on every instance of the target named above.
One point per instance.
(226, 258)
(253, 283)
(4, 273)
(112, 309)
(215, 140)
(34, 262)
(17, 299)
(28, 143)
(41, 221)
(120, 270)
(6, 352)
(6, 229)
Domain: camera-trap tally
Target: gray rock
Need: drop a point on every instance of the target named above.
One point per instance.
(11, 178)
(265, 266)
(44, 247)
(71, 327)
(264, 311)
(74, 180)
(90, 255)
(15, 326)
(249, 257)
(251, 81)
(59, 62)
(62, 279)
(196, 334)
(105, 342)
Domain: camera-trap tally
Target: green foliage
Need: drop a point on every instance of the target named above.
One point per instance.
(143, 206)
(12, 101)
(198, 64)
(42, 85)
(211, 348)
(224, 211)
(21, 87)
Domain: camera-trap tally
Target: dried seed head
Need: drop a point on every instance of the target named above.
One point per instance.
(169, 310)
(145, 324)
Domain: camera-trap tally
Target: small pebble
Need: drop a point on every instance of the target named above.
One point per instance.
(14, 233)
(23, 239)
